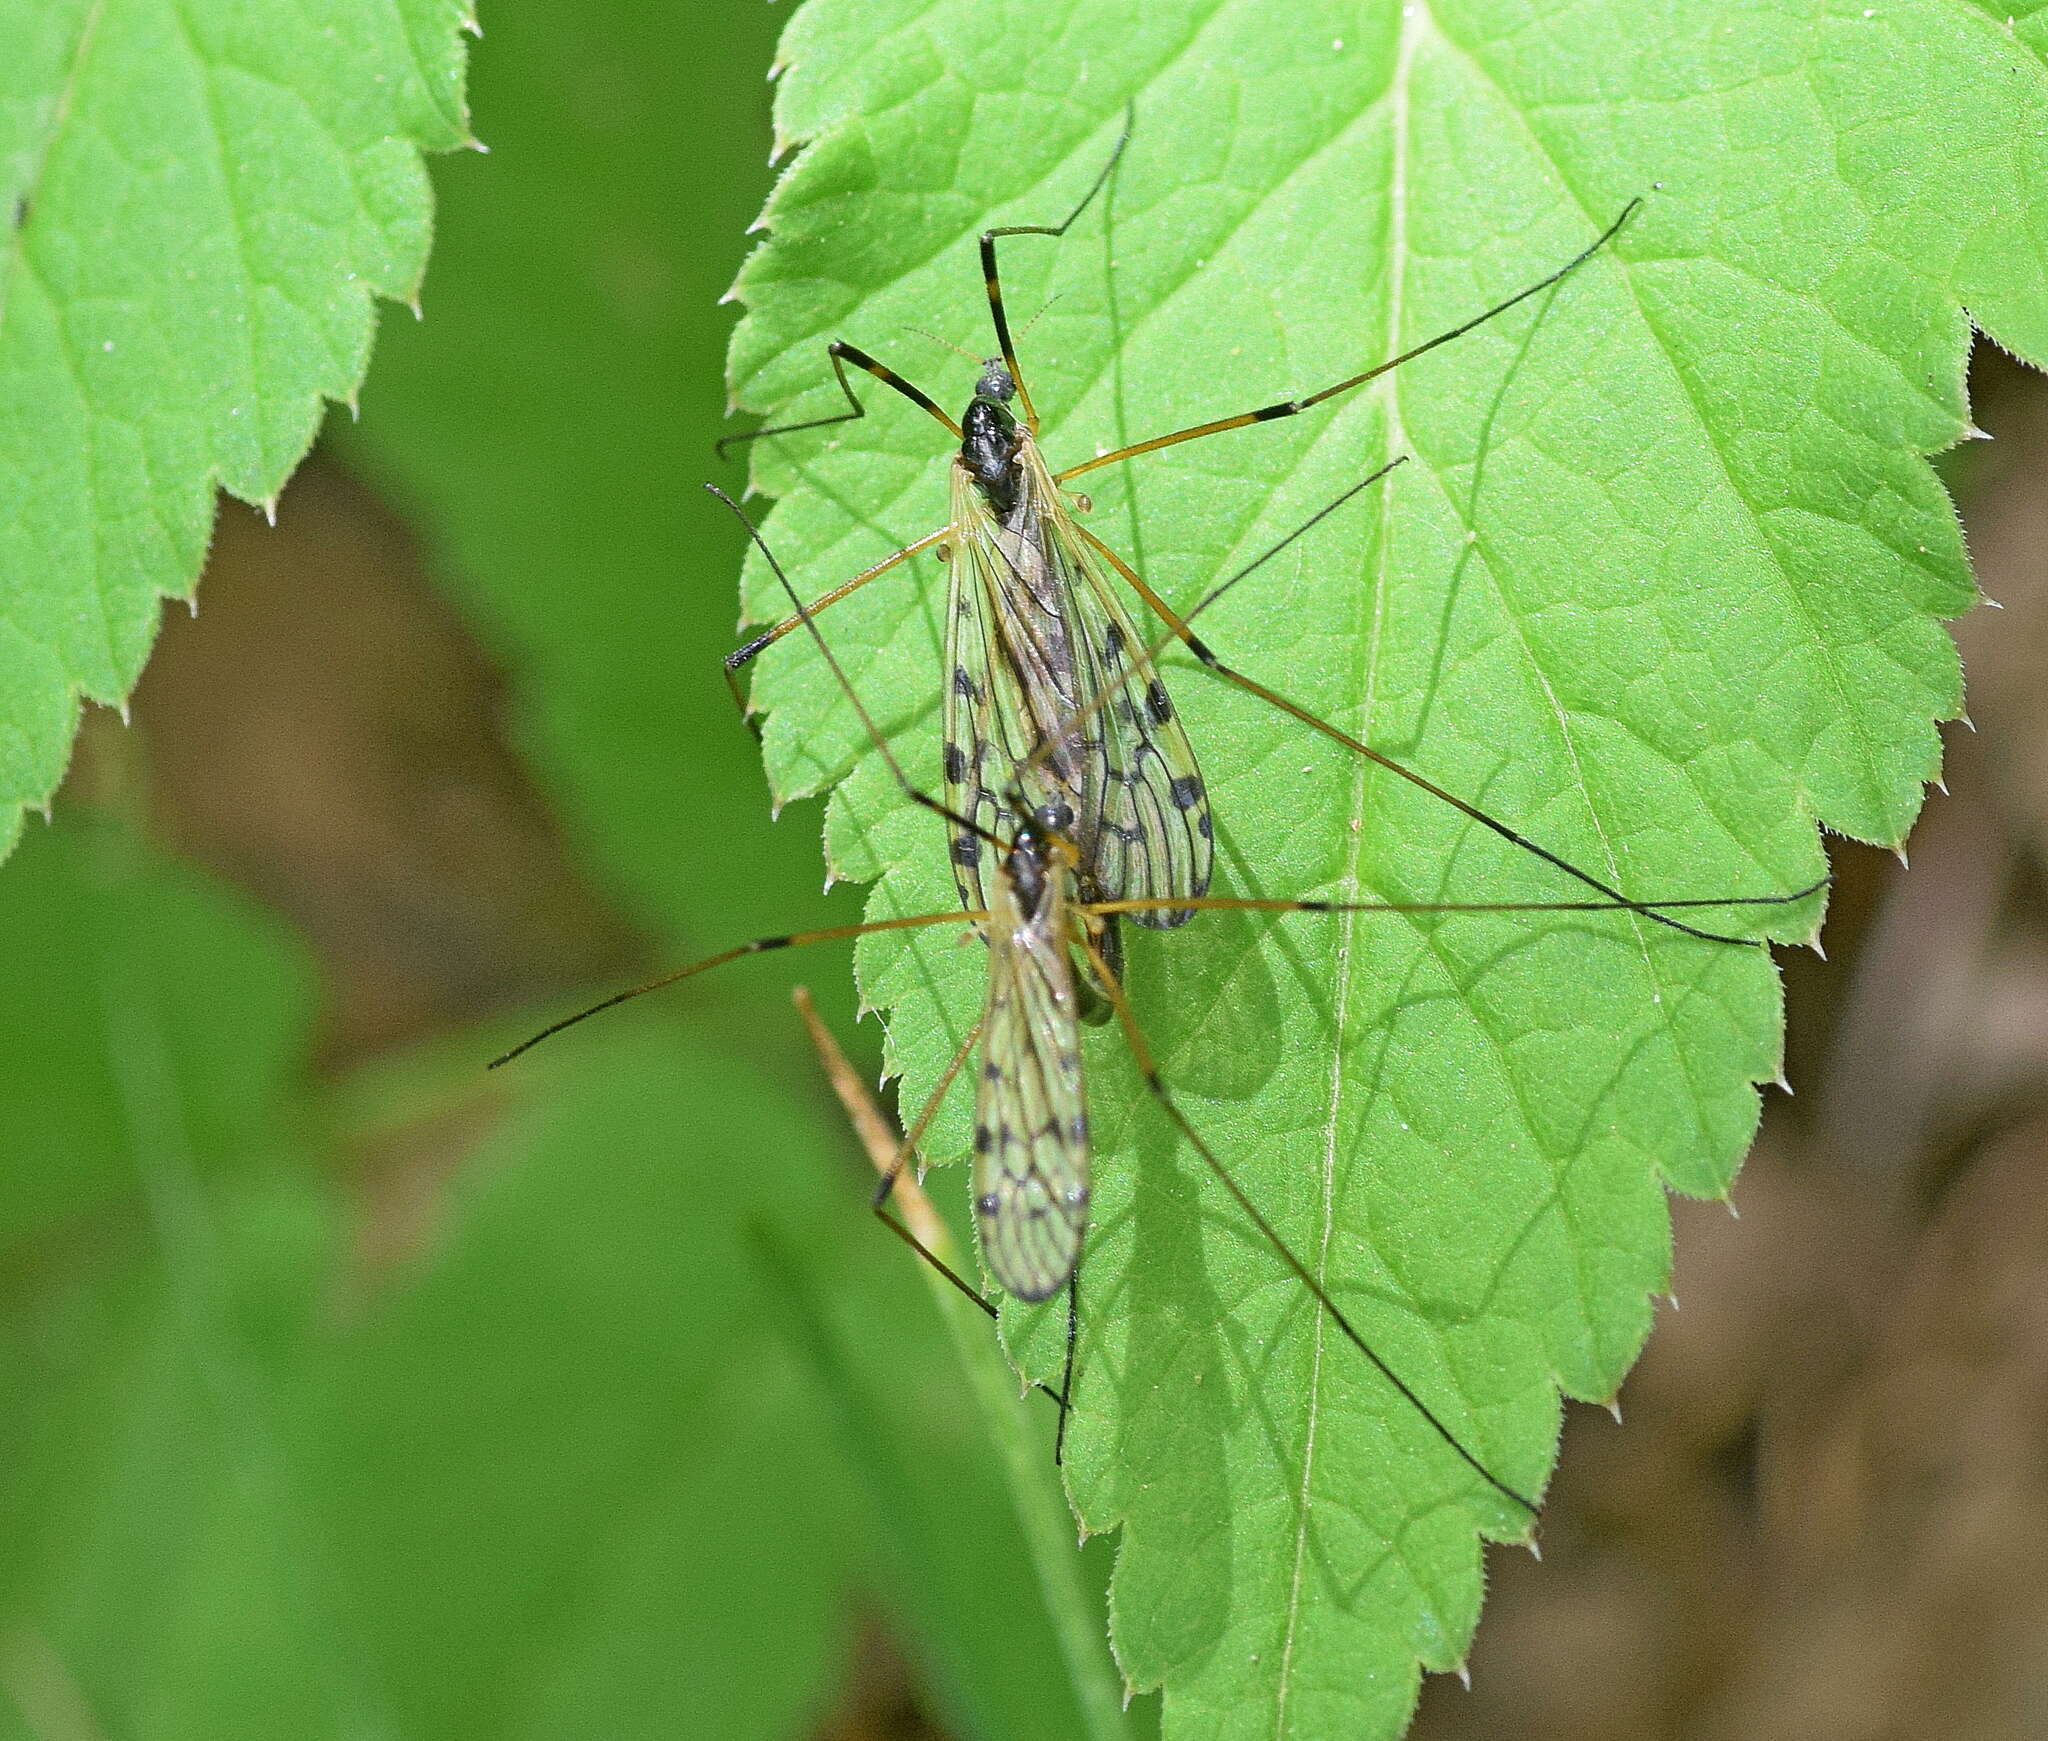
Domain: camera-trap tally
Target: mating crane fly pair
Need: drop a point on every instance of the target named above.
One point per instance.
(1073, 799)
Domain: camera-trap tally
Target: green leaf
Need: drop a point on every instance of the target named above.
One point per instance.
(1660, 586)
(97, 936)
(203, 202)
(160, 1577)
(527, 1454)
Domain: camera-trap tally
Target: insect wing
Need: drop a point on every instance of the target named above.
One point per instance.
(1031, 1119)
(1042, 650)
(1148, 833)
(984, 730)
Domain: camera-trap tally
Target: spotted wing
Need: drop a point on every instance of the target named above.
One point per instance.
(1155, 836)
(984, 734)
(1041, 651)
(1141, 819)
(1031, 1118)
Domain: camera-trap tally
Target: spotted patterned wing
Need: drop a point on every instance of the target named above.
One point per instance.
(1141, 814)
(985, 736)
(1154, 836)
(1031, 1118)
(1040, 650)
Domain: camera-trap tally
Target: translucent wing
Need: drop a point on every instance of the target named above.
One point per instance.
(1031, 1118)
(983, 725)
(1041, 648)
(1149, 831)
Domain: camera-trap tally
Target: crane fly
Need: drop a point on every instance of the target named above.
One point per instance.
(1046, 674)
(1031, 1143)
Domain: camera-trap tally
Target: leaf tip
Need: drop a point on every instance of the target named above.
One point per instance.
(1613, 1407)
(1464, 1673)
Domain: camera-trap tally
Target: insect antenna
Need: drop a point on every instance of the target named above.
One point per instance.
(957, 350)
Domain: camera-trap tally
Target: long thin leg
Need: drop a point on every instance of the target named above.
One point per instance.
(1294, 407)
(758, 946)
(1266, 904)
(913, 1138)
(921, 1229)
(1066, 1393)
(1251, 685)
(841, 354)
(904, 783)
(1158, 1089)
(932, 1237)
(740, 656)
(993, 279)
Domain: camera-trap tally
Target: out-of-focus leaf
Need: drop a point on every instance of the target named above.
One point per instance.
(581, 1483)
(161, 1576)
(94, 938)
(559, 1476)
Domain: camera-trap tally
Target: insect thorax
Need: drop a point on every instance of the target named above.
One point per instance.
(988, 449)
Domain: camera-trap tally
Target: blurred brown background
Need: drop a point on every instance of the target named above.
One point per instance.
(1827, 1511)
